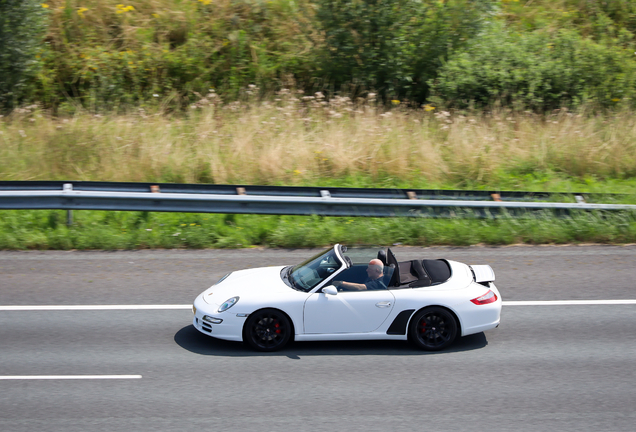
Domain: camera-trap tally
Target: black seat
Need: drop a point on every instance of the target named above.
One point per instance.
(407, 275)
(382, 257)
(413, 274)
(422, 277)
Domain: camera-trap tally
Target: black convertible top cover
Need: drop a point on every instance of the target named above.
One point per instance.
(439, 270)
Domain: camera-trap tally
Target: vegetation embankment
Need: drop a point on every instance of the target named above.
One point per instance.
(107, 56)
(390, 93)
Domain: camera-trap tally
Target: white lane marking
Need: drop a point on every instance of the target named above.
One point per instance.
(94, 307)
(568, 302)
(189, 307)
(66, 377)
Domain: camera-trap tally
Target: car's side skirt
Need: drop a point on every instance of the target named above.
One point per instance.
(348, 336)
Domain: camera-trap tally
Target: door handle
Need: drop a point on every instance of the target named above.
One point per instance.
(383, 304)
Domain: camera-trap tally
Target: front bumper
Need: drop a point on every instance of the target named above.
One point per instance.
(230, 328)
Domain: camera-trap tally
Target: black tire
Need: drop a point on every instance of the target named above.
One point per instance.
(267, 330)
(433, 328)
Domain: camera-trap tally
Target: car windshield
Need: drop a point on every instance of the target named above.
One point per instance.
(306, 275)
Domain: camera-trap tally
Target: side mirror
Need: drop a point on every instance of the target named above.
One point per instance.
(331, 290)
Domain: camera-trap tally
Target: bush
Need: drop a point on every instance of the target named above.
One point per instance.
(597, 19)
(537, 70)
(394, 46)
(21, 25)
(104, 56)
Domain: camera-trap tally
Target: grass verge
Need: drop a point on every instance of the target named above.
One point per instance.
(46, 229)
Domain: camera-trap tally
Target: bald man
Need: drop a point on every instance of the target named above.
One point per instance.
(375, 271)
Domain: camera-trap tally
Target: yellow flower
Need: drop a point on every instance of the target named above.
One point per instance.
(395, 102)
(428, 108)
(121, 8)
(297, 172)
(81, 11)
(45, 6)
(615, 100)
(155, 15)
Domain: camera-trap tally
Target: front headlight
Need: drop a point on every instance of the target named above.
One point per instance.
(228, 304)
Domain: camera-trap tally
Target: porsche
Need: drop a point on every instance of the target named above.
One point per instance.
(351, 294)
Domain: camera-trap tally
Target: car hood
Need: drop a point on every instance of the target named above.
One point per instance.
(258, 281)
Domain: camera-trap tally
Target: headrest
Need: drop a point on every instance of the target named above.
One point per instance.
(382, 256)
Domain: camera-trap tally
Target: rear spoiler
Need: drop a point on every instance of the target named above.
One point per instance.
(483, 273)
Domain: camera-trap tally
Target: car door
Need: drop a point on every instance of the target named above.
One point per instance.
(347, 311)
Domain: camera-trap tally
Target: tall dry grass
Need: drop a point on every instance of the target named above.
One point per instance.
(298, 139)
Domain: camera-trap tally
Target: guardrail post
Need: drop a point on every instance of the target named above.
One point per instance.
(68, 187)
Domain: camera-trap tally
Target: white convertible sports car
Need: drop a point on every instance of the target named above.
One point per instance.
(351, 295)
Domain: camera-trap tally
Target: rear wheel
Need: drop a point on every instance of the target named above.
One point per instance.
(267, 330)
(433, 328)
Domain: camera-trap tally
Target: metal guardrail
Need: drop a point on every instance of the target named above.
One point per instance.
(280, 201)
(292, 191)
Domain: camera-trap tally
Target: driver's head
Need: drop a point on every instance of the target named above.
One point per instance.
(375, 268)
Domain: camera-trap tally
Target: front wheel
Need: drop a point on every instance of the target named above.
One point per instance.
(433, 328)
(267, 330)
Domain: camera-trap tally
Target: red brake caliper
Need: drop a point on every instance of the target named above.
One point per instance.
(277, 325)
(423, 326)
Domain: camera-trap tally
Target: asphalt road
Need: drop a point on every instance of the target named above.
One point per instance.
(553, 368)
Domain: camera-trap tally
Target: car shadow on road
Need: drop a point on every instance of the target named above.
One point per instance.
(190, 339)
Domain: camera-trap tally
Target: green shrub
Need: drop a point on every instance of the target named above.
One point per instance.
(21, 25)
(393, 46)
(537, 70)
(105, 56)
(600, 20)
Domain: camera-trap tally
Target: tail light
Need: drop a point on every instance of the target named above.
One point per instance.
(489, 297)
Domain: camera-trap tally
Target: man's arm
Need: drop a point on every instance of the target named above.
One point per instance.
(350, 286)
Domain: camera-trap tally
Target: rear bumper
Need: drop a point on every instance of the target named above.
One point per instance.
(479, 318)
